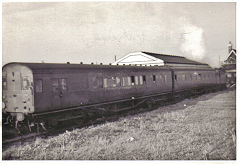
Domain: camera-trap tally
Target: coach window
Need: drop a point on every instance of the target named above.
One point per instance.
(154, 78)
(175, 77)
(184, 77)
(203, 76)
(129, 81)
(38, 86)
(199, 76)
(63, 83)
(124, 81)
(4, 83)
(54, 85)
(112, 81)
(194, 77)
(136, 80)
(190, 77)
(165, 78)
(132, 80)
(141, 80)
(25, 83)
(144, 79)
(99, 82)
(117, 82)
(160, 78)
(105, 83)
(229, 75)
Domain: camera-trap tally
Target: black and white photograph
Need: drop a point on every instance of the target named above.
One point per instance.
(119, 80)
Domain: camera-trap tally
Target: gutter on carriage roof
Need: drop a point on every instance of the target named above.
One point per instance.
(36, 66)
(56, 66)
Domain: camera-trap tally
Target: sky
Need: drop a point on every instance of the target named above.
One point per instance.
(75, 32)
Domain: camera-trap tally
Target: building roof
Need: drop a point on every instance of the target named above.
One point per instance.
(139, 58)
(152, 59)
(174, 59)
(231, 57)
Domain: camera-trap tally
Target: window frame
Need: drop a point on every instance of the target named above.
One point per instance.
(36, 82)
(141, 80)
(165, 78)
(66, 86)
(144, 79)
(59, 85)
(132, 82)
(25, 86)
(55, 86)
(154, 78)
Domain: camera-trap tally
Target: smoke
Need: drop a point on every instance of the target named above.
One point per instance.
(193, 41)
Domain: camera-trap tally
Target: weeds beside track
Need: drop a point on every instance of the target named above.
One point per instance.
(199, 128)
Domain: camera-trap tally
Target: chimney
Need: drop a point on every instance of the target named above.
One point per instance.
(229, 47)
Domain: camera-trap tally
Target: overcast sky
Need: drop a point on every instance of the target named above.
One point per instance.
(97, 31)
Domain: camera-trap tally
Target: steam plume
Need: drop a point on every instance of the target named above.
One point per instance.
(193, 42)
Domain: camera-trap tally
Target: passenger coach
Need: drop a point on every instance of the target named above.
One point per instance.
(31, 89)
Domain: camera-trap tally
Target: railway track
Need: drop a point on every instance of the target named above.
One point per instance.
(58, 129)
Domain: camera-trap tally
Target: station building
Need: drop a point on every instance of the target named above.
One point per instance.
(154, 59)
(229, 64)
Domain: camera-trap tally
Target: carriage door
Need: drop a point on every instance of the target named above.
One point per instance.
(59, 88)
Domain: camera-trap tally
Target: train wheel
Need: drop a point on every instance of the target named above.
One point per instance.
(22, 127)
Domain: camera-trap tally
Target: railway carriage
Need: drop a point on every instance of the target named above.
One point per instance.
(185, 79)
(41, 89)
